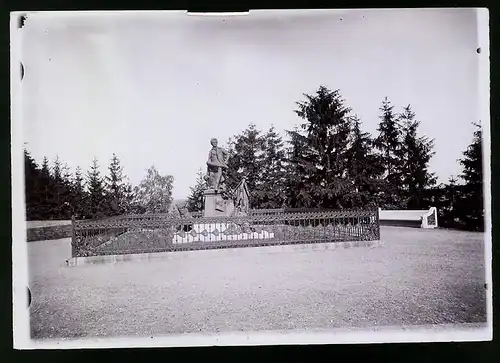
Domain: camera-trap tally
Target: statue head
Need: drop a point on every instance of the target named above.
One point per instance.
(214, 142)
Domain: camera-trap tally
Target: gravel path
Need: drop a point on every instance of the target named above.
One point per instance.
(417, 277)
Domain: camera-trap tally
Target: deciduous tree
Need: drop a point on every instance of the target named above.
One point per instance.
(154, 193)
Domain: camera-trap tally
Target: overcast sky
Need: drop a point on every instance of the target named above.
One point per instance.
(154, 88)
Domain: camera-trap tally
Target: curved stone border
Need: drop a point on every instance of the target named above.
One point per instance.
(230, 251)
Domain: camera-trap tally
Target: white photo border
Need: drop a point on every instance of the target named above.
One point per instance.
(20, 279)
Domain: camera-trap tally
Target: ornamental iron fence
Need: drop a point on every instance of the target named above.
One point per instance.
(160, 233)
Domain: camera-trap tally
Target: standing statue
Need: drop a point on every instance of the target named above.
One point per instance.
(216, 167)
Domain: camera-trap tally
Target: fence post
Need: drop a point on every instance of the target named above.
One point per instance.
(73, 236)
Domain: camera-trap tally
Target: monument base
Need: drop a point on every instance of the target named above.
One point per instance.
(216, 205)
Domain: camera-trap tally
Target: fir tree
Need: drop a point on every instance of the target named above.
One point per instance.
(364, 169)
(96, 197)
(79, 197)
(233, 171)
(472, 161)
(472, 174)
(46, 190)
(56, 188)
(449, 208)
(324, 159)
(246, 159)
(79, 183)
(32, 180)
(388, 144)
(298, 171)
(45, 167)
(66, 173)
(271, 193)
(117, 189)
(67, 208)
(56, 170)
(195, 201)
(415, 154)
(128, 197)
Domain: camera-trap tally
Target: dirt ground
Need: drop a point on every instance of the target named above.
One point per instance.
(416, 277)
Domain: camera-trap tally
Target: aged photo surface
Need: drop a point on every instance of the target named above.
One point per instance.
(265, 178)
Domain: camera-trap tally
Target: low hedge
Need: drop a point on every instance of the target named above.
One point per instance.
(47, 233)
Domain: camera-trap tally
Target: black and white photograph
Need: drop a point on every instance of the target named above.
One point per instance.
(262, 178)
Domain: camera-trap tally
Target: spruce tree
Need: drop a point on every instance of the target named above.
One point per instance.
(415, 154)
(128, 197)
(57, 170)
(57, 188)
(452, 191)
(196, 199)
(96, 198)
(326, 132)
(472, 174)
(45, 167)
(46, 190)
(246, 159)
(233, 171)
(32, 193)
(79, 182)
(388, 144)
(449, 209)
(364, 170)
(271, 193)
(117, 189)
(298, 170)
(79, 194)
(66, 173)
(67, 209)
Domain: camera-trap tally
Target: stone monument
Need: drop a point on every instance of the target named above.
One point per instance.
(241, 197)
(220, 202)
(217, 200)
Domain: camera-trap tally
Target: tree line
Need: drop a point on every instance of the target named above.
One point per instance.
(53, 192)
(328, 161)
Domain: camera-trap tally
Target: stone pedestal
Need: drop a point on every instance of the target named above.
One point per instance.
(216, 206)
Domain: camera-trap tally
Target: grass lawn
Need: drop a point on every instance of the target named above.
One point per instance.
(417, 277)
